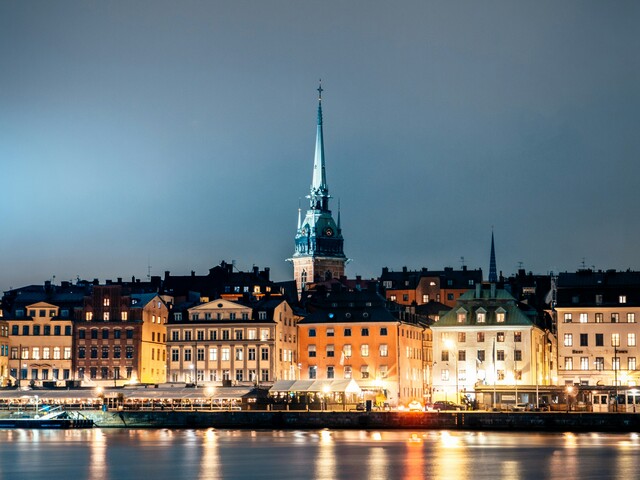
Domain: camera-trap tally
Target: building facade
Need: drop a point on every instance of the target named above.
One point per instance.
(228, 342)
(352, 335)
(318, 254)
(40, 345)
(119, 339)
(489, 339)
(598, 318)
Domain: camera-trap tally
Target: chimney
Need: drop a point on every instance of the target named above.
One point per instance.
(404, 269)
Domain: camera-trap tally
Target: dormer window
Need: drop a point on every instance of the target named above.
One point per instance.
(106, 302)
(622, 299)
(501, 315)
(481, 315)
(461, 315)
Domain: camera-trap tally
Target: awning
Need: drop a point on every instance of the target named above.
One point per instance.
(317, 386)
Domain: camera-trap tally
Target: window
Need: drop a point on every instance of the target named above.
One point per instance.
(517, 336)
(568, 340)
(444, 375)
(631, 339)
(129, 333)
(239, 375)
(36, 329)
(67, 353)
(105, 352)
(94, 333)
(311, 350)
(480, 337)
(500, 355)
(462, 355)
(175, 355)
(264, 354)
(213, 354)
(252, 354)
(330, 332)
(330, 372)
(599, 362)
(622, 299)
(57, 330)
(444, 355)
(347, 332)
(225, 354)
(105, 316)
(631, 363)
(462, 317)
(449, 296)
(384, 350)
(364, 350)
(599, 318)
(615, 363)
(615, 339)
(175, 335)
(346, 350)
(82, 352)
(94, 352)
(393, 298)
(383, 331)
(584, 339)
(462, 337)
(47, 330)
(364, 371)
(599, 340)
(481, 355)
(567, 318)
(364, 332)
(500, 317)
(56, 353)
(500, 337)
(105, 333)
(125, 316)
(313, 372)
(568, 363)
(584, 363)
(226, 335)
(264, 334)
(262, 315)
(631, 318)
(583, 318)
(347, 372)
(238, 334)
(252, 334)
(330, 351)
(405, 297)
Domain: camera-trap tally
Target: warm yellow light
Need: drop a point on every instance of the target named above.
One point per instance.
(449, 344)
(326, 389)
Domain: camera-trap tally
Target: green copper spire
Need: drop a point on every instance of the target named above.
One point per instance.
(319, 194)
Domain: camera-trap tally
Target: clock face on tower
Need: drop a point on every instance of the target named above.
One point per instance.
(328, 232)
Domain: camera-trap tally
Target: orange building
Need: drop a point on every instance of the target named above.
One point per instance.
(353, 335)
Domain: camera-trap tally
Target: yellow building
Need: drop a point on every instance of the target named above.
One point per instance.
(40, 345)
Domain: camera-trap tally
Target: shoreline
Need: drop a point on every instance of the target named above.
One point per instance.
(287, 420)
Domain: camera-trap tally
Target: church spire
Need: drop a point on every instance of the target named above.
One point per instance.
(319, 194)
(493, 274)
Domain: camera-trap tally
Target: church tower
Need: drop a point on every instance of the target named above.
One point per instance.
(318, 254)
(493, 270)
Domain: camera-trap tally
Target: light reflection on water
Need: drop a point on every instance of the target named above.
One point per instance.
(325, 454)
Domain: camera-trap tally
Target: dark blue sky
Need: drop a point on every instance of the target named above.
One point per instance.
(182, 134)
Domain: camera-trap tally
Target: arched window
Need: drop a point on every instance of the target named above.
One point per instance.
(303, 278)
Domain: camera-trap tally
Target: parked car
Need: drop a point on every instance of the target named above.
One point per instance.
(415, 406)
(522, 407)
(442, 405)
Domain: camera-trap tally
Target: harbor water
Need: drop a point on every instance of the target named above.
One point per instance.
(122, 454)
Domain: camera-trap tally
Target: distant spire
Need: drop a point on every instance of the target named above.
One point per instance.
(339, 227)
(319, 191)
(299, 218)
(493, 271)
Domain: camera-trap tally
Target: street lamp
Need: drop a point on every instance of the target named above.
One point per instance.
(451, 348)
(616, 362)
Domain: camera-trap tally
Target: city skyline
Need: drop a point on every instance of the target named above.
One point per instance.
(178, 136)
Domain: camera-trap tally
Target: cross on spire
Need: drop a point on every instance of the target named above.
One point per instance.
(320, 90)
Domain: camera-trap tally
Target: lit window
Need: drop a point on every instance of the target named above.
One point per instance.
(568, 340)
(364, 350)
(568, 363)
(346, 350)
(631, 363)
(500, 336)
(500, 317)
(615, 318)
(631, 339)
(106, 302)
(384, 350)
(444, 375)
(567, 318)
(615, 339)
(583, 318)
(631, 318)
(584, 363)
(622, 299)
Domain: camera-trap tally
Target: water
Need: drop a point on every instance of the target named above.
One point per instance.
(101, 454)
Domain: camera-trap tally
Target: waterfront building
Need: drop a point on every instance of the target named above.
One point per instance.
(119, 339)
(489, 339)
(318, 254)
(232, 342)
(353, 335)
(4, 351)
(408, 287)
(598, 317)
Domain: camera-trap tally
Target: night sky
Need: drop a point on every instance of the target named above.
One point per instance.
(180, 134)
